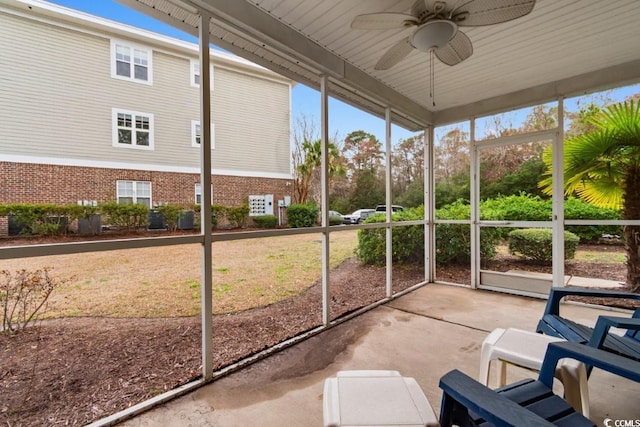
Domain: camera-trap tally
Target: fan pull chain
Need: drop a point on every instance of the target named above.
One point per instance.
(432, 78)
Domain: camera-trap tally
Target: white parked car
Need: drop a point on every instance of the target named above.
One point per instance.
(358, 216)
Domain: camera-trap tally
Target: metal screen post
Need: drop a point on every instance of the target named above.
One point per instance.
(389, 212)
(557, 200)
(326, 253)
(474, 217)
(206, 292)
(429, 203)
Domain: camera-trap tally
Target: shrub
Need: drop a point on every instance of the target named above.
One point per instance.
(522, 207)
(452, 244)
(371, 247)
(82, 211)
(89, 220)
(516, 208)
(170, 214)
(535, 244)
(38, 218)
(128, 216)
(301, 215)
(579, 209)
(532, 208)
(238, 216)
(22, 296)
(266, 221)
(218, 213)
(453, 241)
(407, 242)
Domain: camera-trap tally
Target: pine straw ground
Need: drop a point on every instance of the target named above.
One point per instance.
(72, 371)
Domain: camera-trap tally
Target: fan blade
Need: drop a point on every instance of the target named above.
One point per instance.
(383, 21)
(395, 54)
(457, 50)
(476, 13)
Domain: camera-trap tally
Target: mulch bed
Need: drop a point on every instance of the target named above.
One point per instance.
(76, 370)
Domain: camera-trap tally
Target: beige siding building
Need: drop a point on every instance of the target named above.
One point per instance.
(91, 109)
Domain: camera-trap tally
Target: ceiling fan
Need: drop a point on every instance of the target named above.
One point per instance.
(437, 25)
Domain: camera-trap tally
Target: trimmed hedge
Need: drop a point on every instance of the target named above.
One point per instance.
(238, 216)
(129, 216)
(407, 242)
(532, 208)
(452, 240)
(535, 244)
(579, 209)
(218, 213)
(266, 221)
(300, 215)
(170, 214)
(39, 218)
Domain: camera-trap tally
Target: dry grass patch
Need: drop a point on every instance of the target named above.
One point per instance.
(165, 281)
(602, 253)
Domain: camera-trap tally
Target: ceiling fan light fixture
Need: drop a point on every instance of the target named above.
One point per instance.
(433, 34)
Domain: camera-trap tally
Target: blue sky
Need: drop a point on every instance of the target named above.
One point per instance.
(305, 101)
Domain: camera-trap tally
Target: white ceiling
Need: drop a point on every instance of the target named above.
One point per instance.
(563, 47)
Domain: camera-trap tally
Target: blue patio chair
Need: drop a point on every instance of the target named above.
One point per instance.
(628, 345)
(467, 403)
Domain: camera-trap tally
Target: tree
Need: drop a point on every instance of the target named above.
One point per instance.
(540, 118)
(368, 190)
(412, 196)
(303, 131)
(451, 167)
(308, 173)
(362, 151)
(451, 155)
(603, 168)
(514, 168)
(581, 121)
(522, 180)
(407, 163)
(364, 184)
(307, 160)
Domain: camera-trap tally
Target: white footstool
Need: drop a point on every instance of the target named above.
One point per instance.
(375, 398)
(526, 350)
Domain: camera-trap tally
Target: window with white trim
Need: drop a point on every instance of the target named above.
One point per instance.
(131, 62)
(194, 75)
(131, 192)
(132, 129)
(198, 192)
(196, 134)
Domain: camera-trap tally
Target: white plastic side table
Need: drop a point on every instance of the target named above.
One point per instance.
(526, 350)
(375, 398)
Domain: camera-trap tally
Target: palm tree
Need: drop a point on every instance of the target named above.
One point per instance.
(308, 169)
(603, 168)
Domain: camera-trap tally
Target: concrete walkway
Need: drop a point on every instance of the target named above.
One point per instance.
(581, 282)
(423, 335)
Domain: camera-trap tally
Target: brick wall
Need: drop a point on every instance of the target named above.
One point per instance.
(35, 183)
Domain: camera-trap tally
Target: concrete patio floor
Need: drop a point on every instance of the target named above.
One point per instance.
(423, 334)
